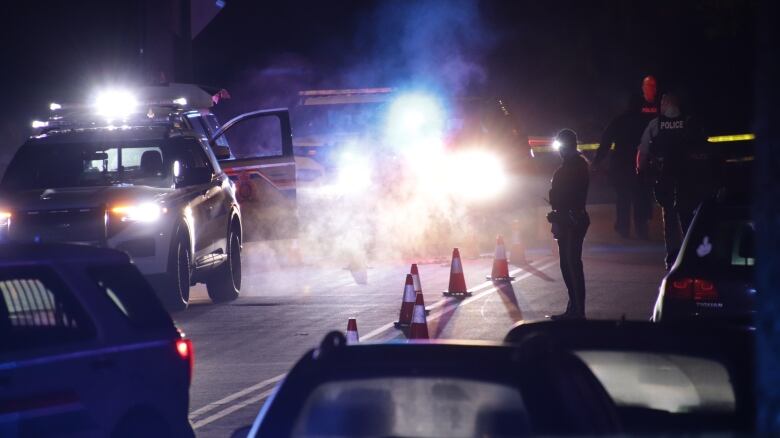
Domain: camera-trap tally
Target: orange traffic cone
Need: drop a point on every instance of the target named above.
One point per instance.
(352, 332)
(500, 265)
(419, 328)
(517, 251)
(457, 287)
(407, 304)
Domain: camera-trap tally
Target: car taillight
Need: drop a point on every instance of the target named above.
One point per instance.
(704, 290)
(681, 289)
(696, 289)
(185, 351)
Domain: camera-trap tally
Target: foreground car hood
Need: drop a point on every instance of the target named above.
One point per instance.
(79, 197)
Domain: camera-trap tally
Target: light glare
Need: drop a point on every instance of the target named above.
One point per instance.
(115, 104)
(146, 212)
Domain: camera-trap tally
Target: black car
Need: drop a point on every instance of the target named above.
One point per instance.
(713, 276)
(673, 378)
(436, 389)
(548, 378)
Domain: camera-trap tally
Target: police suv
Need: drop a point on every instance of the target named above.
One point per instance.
(152, 175)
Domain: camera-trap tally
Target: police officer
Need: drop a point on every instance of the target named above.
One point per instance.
(625, 131)
(569, 220)
(650, 105)
(666, 152)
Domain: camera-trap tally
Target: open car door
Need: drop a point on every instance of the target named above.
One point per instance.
(259, 159)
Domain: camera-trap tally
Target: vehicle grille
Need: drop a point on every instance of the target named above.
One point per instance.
(79, 225)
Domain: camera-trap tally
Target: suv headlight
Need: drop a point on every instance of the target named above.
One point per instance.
(144, 212)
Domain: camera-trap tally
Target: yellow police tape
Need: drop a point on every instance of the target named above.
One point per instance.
(714, 139)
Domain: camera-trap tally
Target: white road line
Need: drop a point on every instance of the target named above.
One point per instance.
(239, 394)
(232, 408)
(434, 316)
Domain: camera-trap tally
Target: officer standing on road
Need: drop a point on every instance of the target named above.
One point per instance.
(625, 131)
(570, 221)
(667, 154)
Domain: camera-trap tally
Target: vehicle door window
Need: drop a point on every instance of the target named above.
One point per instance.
(38, 310)
(260, 137)
(131, 295)
(213, 126)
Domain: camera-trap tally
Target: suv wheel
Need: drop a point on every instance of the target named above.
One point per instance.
(225, 283)
(174, 287)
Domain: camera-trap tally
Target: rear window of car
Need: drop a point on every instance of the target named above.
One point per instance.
(131, 295)
(419, 407)
(665, 382)
(37, 310)
(722, 238)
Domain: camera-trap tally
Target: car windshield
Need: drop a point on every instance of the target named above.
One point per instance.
(90, 164)
(421, 407)
(664, 382)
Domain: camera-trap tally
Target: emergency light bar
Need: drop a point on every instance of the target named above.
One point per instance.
(153, 105)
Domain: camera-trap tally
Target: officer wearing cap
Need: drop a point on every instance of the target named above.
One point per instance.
(570, 221)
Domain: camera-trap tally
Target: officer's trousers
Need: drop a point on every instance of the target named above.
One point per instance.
(570, 239)
(665, 195)
(632, 192)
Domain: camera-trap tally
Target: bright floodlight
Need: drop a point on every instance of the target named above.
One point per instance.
(556, 144)
(180, 101)
(54, 106)
(414, 120)
(39, 124)
(115, 104)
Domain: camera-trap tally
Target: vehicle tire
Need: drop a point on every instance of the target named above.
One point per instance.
(175, 287)
(225, 283)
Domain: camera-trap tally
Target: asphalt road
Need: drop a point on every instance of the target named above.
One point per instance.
(243, 348)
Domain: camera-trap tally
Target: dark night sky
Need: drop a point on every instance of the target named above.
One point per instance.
(559, 63)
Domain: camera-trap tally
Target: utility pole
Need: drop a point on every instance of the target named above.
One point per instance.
(767, 215)
(165, 46)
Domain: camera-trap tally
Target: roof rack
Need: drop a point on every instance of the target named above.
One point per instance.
(345, 96)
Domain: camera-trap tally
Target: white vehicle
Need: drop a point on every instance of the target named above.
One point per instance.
(146, 180)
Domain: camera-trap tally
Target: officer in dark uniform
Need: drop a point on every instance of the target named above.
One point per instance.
(667, 155)
(569, 220)
(625, 131)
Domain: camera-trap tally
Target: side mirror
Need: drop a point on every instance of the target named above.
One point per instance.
(191, 177)
(221, 152)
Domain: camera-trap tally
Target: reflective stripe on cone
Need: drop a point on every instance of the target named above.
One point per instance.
(407, 303)
(419, 328)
